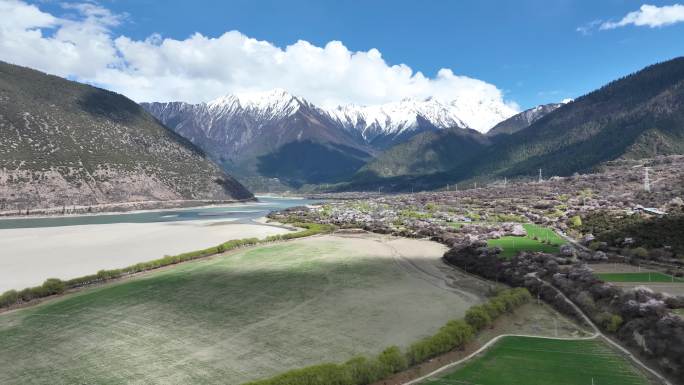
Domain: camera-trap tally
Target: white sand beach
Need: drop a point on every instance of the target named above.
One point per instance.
(30, 256)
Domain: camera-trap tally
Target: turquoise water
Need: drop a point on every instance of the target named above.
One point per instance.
(242, 212)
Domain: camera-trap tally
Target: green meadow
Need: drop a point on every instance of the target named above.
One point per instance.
(546, 241)
(652, 276)
(538, 361)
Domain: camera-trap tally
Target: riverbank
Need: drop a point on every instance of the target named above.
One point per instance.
(31, 255)
(116, 208)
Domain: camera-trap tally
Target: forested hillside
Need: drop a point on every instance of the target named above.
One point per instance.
(638, 116)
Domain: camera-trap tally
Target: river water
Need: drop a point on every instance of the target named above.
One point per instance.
(34, 249)
(238, 212)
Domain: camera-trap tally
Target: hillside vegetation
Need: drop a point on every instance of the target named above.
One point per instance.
(638, 116)
(64, 143)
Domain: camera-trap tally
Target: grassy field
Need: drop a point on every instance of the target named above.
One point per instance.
(513, 245)
(232, 318)
(537, 361)
(652, 276)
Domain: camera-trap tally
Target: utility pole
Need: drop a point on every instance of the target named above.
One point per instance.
(647, 182)
(555, 324)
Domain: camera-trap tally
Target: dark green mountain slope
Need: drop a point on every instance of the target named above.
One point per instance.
(426, 153)
(641, 115)
(638, 116)
(66, 143)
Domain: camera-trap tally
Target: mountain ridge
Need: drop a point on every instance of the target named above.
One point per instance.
(637, 116)
(524, 119)
(65, 143)
(255, 134)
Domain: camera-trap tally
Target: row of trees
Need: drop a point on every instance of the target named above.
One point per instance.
(56, 286)
(362, 370)
(639, 318)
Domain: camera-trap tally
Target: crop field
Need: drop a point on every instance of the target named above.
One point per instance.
(513, 245)
(538, 361)
(237, 317)
(648, 276)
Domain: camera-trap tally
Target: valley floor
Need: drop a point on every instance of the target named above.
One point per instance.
(243, 315)
(29, 256)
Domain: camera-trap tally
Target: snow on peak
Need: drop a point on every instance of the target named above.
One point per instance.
(370, 121)
(481, 115)
(394, 118)
(273, 104)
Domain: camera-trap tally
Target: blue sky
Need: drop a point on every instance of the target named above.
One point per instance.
(530, 49)
(494, 57)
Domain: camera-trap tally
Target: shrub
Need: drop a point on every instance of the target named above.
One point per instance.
(391, 361)
(452, 335)
(8, 298)
(576, 221)
(478, 317)
(361, 370)
(640, 252)
(319, 374)
(610, 322)
(53, 286)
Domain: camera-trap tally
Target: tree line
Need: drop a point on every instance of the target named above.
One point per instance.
(362, 370)
(54, 286)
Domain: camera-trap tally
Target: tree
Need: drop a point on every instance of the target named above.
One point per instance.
(613, 323)
(576, 221)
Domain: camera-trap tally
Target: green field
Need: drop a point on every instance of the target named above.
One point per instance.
(538, 361)
(232, 318)
(653, 276)
(513, 245)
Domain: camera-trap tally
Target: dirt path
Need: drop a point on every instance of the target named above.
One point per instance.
(530, 319)
(453, 359)
(434, 272)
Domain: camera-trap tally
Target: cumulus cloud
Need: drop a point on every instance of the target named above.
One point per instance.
(651, 16)
(199, 68)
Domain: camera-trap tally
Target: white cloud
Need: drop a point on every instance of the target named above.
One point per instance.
(588, 28)
(200, 68)
(651, 16)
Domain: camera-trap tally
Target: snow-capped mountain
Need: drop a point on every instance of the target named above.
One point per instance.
(524, 119)
(385, 124)
(268, 106)
(388, 124)
(234, 122)
(252, 132)
(268, 134)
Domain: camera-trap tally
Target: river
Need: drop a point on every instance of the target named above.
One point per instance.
(34, 249)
